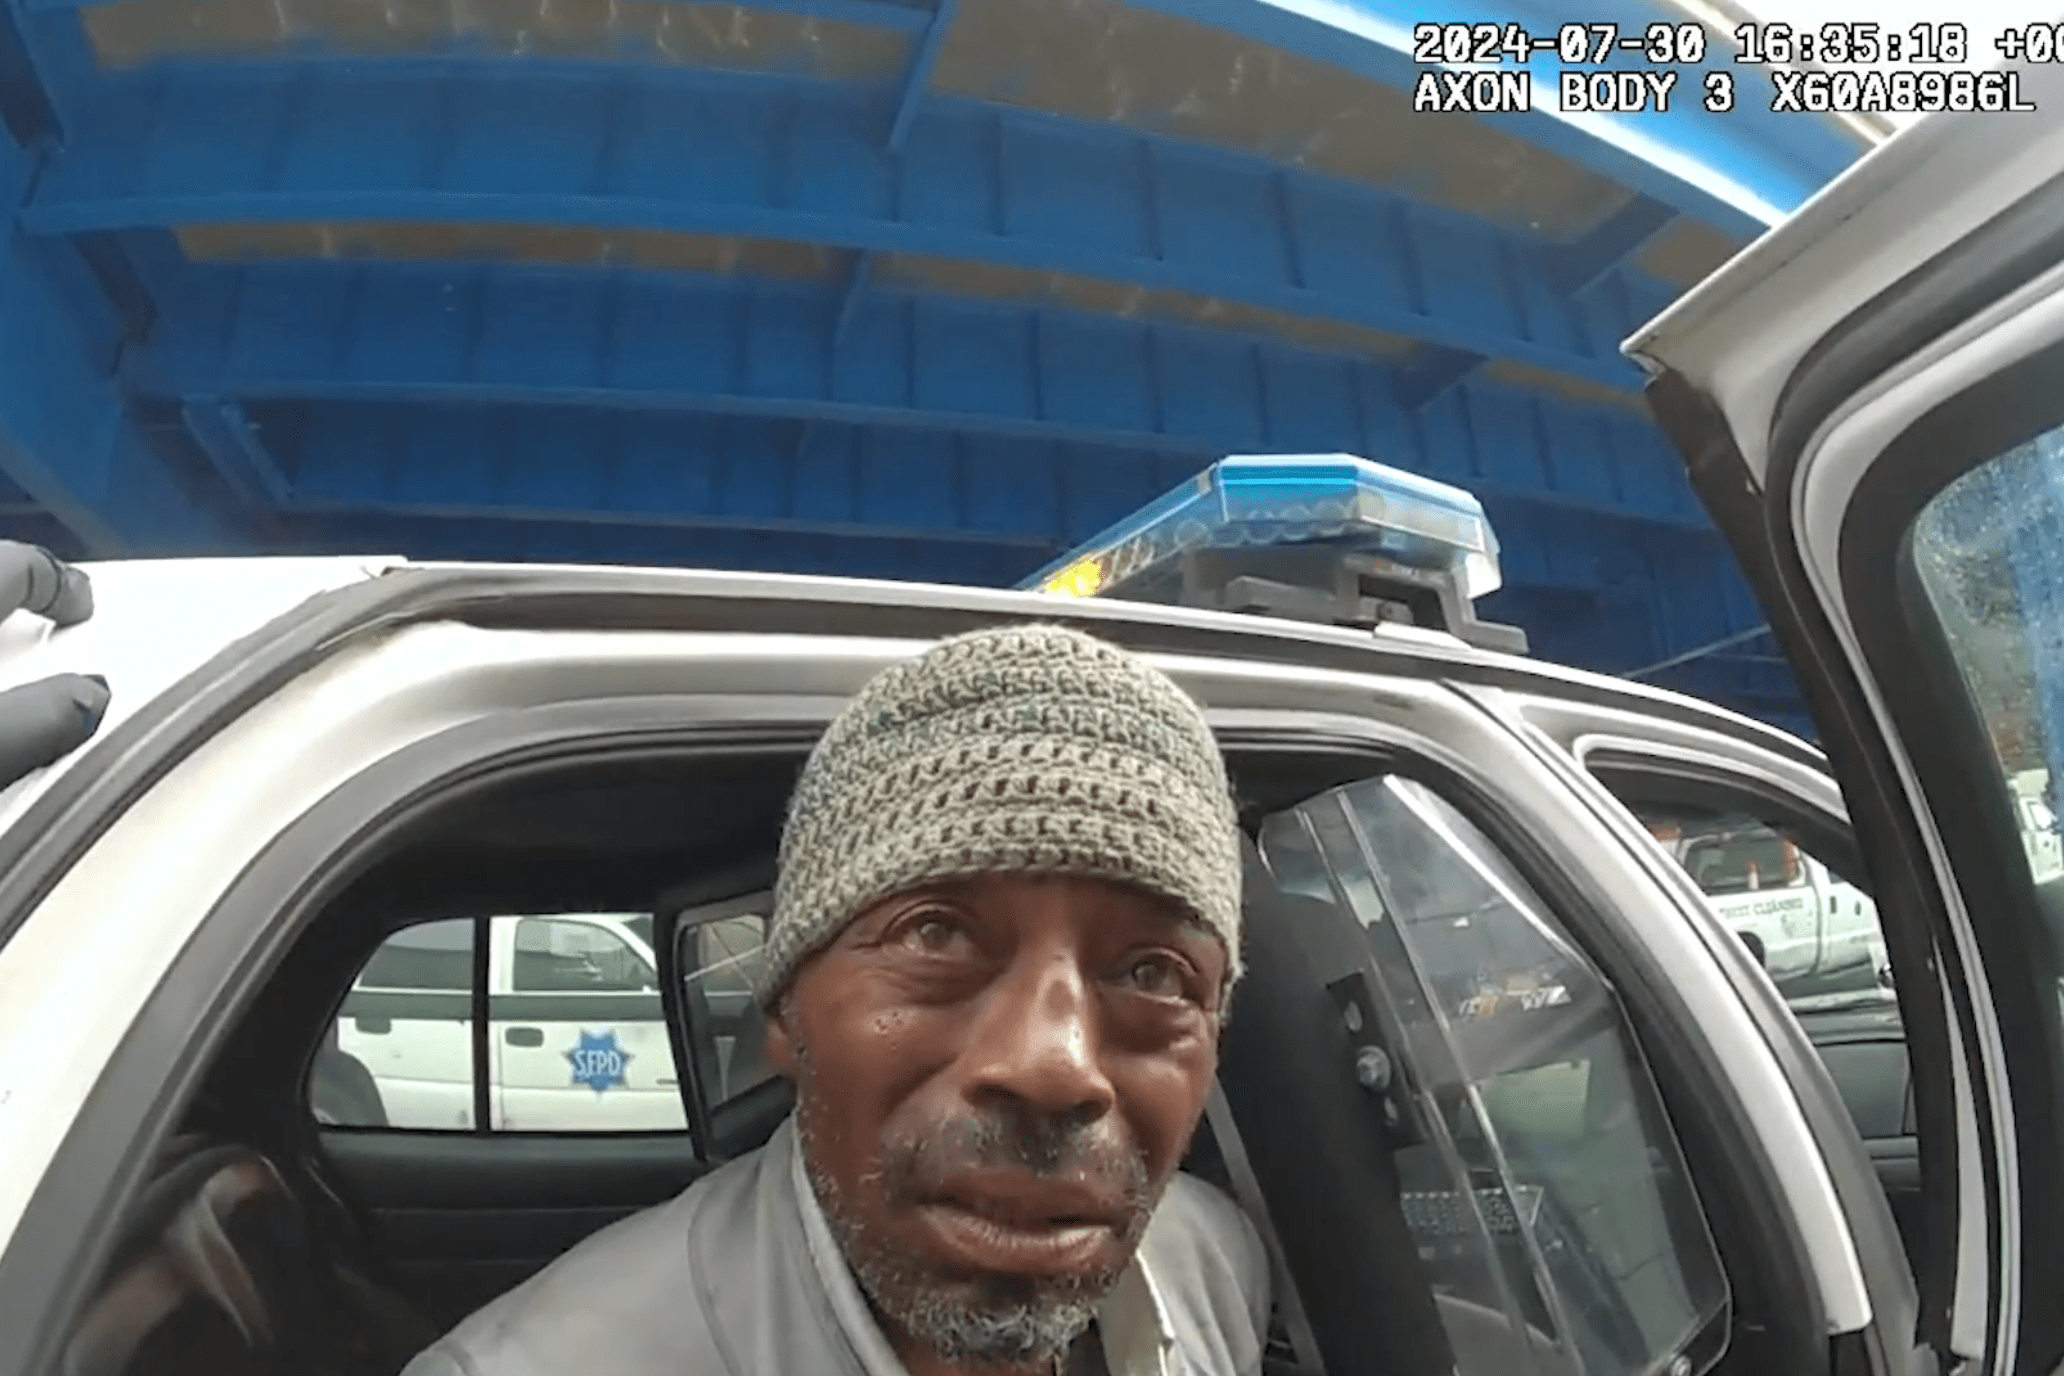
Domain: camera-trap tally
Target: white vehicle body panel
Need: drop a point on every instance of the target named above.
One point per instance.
(1817, 926)
(155, 622)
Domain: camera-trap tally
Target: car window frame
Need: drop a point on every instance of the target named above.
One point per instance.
(1824, 830)
(483, 997)
(1805, 811)
(1822, 839)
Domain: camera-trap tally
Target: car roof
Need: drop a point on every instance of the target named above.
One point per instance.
(157, 621)
(154, 622)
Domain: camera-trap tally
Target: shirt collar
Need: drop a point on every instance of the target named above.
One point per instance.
(1133, 1320)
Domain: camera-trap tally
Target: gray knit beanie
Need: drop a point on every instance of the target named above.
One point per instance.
(1019, 750)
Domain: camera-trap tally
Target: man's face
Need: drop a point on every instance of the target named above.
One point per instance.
(995, 1080)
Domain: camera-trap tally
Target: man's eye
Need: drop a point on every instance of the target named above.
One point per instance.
(935, 934)
(1155, 975)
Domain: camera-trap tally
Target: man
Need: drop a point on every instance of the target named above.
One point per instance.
(1005, 927)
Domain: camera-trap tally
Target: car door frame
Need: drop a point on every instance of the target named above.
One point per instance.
(1815, 433)
(176, 732)
(1715, 758)
(245, 929)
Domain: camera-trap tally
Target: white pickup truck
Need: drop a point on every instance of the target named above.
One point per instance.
(1814, 932)
(576, 1037)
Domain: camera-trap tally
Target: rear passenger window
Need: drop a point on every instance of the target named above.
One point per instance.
(1541, 1178)
(576, 1036)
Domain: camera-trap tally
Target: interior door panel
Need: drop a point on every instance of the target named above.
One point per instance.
(462, 1217)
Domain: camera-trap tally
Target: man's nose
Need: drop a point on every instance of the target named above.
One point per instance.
(1037, 1042)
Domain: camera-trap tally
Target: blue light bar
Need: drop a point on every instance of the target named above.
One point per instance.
(1251, 501)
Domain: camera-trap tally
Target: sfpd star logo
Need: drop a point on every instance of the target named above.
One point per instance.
(598, 1062)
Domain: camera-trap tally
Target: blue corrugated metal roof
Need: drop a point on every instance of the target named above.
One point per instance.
(931, 289)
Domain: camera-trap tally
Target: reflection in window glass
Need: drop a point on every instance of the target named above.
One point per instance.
(1547, 1194)
(721, 958)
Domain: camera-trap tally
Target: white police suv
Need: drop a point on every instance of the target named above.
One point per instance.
(372, 932)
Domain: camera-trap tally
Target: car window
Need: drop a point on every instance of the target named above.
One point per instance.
(579, 955)
(1984, 550)
(436, 955)
(400, 1053)
(576, 1036)
(1817, 934)
(1745, 860)
(1543, 1181)
(721, 956)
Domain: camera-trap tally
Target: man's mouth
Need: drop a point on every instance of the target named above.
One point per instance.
(1012, 1223)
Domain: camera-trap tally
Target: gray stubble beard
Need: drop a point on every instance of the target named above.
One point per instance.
(995, 1323)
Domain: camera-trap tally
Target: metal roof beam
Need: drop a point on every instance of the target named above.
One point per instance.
(1580, 265)
(719, 472)
(429, 537)
(25, 107)
(1433, 373)
(919, 77)
(628, 341)
(871, 14)
(1254, 245)
(65, 441)
(856, 290)
(1740, 170)
(1027, 501)
(225, 434)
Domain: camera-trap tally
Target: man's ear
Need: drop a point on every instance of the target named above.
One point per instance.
(780, 1044)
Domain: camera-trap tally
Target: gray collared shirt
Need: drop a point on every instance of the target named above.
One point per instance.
(740, 1276)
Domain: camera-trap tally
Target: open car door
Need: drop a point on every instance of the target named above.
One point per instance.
(1871, 403)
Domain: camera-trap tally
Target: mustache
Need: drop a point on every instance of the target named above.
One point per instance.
(1014, 1137)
